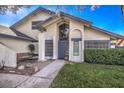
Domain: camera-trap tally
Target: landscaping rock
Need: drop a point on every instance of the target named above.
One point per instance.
(21, 67)
(12, 71)
(35, 69)
(71, 63)
(29, 65)
(1, 67)
(8, 68)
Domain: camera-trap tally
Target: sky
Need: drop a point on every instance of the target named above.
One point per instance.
(108, 17)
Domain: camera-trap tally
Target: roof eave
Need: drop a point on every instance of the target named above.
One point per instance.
(61, 14)
(15, 37)
(108, 32)
(76, 18)
(19, 34)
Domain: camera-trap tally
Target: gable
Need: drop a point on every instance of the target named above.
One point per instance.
(66, 17)
(26, 26)
(38, 16)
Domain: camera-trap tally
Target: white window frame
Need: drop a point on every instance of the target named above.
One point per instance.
(75, 48)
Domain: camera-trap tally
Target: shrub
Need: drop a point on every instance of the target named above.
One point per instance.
(105, 56)
(31, 47)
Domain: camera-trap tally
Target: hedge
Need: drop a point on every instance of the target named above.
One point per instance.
(104, 56)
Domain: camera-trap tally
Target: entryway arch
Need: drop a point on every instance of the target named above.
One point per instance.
(75, 45)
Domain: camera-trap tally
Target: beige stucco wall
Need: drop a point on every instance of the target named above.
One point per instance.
(26, 27)
(76, 25)
(8, 56)
(36, 47)
(17, 45)
(76, 34)
(95, 35)
(6, 30)
(50, 34)
(51, 30)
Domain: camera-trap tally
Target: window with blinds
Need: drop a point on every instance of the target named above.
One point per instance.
(34, 24)
(97, 44)
(49, 48)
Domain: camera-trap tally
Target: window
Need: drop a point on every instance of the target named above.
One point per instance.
(49, 48)
(63, 31)
(97, 43)
(34, 24)
(75, 48)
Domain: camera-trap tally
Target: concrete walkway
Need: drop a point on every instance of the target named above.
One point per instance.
(41, 79)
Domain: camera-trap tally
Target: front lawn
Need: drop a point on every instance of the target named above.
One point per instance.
(89, 75)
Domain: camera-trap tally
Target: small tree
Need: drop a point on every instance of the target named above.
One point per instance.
(32, 49)
(12, 8)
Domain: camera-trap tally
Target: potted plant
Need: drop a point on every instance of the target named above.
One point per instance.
(32, 49)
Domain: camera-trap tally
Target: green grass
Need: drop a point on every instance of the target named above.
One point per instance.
(89, 76)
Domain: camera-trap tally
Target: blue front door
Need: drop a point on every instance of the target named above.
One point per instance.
(62, 48)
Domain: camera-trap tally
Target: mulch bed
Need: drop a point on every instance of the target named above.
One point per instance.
(27, 70)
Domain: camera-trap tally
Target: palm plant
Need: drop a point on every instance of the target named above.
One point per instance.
(32, 49)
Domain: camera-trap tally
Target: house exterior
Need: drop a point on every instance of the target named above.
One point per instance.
(56, 36)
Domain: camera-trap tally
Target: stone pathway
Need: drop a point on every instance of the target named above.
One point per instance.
(51, 70)
(41, 79)
(11, 80)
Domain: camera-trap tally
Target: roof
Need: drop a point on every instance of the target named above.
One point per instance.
(75, 18)
(55, 16)
(65, 15)
(14, 37)
(82, 20)
(107, 32)
(35, 11)
(6, 32)
(18, 33)
(22, 35)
